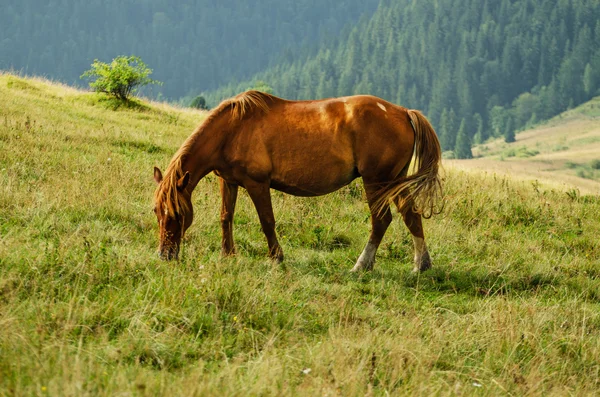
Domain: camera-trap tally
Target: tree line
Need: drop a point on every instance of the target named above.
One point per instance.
(192, 46)
(478, 68)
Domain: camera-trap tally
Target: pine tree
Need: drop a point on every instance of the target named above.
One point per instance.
(462, 150)
(478, 123)
(589, 80)
(509, 132)
(448, 129)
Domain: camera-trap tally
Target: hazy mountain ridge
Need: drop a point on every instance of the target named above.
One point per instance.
(192, 46)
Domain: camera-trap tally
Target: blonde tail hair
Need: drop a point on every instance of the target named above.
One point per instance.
(423, 188)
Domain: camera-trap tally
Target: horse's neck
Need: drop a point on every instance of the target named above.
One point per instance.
(201, 155)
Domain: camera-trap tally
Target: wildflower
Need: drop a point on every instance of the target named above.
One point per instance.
(306, 371)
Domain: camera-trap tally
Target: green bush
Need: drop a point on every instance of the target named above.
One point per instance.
(261, 86)
(199, 103)
(525, 153)
(121, 77)
(448, 154)
(522, 152)
(582, 173)
(595, 164)
(571, 165)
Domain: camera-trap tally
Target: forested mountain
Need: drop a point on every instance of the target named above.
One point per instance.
(191, 45)
(476, 67)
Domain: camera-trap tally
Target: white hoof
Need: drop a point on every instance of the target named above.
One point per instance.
(366, 259)
(423, 263)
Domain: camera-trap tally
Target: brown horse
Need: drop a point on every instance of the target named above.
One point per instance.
(305, 148)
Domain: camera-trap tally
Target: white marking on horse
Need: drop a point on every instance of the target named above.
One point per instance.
(420, 247)
(366, 259)
(420, 252)
(382, 107)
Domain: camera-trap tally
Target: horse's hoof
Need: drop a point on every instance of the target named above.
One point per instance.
(277, 256)
(424, 264)
(227, 253)
(361, 266)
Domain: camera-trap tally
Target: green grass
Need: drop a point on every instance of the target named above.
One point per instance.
(590, 170)
(86, 308)
(521, 152)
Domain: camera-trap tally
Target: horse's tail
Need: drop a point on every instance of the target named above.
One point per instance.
(423, 188)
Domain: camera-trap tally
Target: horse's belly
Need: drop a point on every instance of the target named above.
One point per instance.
(315, 182)
(308, 191)
(312, 170)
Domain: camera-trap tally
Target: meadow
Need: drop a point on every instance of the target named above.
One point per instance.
(562, 152)
(510, 307)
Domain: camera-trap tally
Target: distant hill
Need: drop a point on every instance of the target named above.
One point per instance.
(496, 65)
(193, 46)
(565, 151)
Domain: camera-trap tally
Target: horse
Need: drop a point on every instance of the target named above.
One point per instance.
(305, 148)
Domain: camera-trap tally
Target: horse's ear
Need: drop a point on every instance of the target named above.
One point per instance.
(183, 181)
(157, 175)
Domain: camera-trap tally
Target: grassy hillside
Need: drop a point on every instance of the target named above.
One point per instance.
(564, 152)
(86, 308)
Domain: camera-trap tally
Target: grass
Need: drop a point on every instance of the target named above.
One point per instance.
(521, 152)
(86, 308)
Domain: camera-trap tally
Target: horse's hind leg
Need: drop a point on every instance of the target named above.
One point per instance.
(379, 224)
(228, 196)
(414, 224)
(261, 197)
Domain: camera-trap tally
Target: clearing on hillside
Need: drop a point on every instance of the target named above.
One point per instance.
(563, 152)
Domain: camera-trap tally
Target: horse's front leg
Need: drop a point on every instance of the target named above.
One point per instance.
(228, 198)
(260, 193)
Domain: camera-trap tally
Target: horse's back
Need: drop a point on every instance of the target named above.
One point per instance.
(315, 147)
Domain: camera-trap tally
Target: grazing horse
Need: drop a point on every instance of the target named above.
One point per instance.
(305, 148)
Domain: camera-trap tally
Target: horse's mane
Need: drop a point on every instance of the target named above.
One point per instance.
(245, 102)
(166, 195)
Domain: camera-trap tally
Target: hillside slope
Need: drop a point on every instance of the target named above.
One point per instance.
(86, 307)
(563, 152)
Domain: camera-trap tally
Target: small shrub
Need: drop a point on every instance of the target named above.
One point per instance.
(121, 77)
(560, 148)
(448, 155)
(199, 103)
(524, 152)
(261, 86)
(571, 165)
(521, 152)
(595, 164)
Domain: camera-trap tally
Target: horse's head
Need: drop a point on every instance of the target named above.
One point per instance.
(174, 213)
